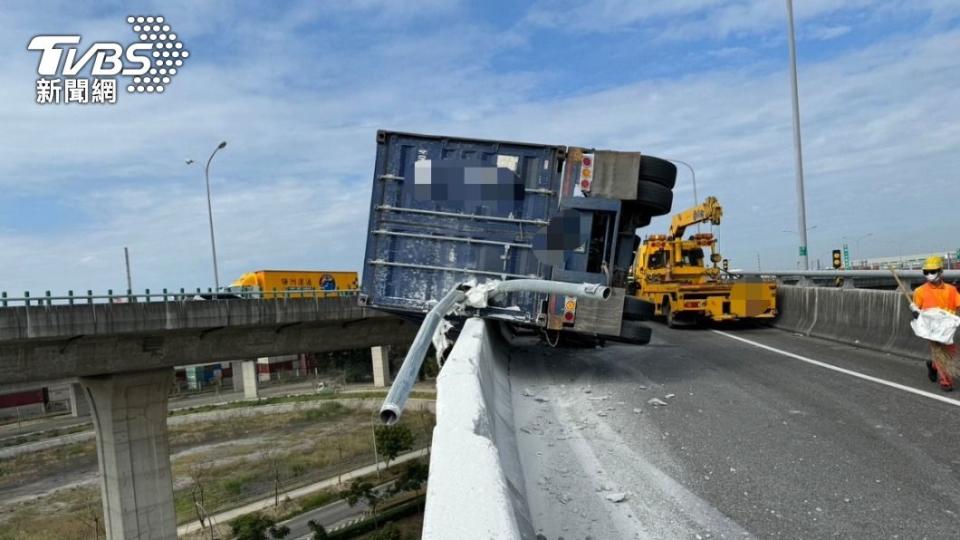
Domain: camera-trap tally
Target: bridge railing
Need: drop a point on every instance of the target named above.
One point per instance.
(164, 295)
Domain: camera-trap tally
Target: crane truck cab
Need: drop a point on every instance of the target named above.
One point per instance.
(679, 282)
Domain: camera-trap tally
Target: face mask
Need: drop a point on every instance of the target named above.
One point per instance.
(932, 277)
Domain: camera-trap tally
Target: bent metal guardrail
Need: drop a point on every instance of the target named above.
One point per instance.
(476, 296)
(167, 296)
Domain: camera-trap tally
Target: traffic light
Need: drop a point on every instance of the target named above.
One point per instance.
(837, 259)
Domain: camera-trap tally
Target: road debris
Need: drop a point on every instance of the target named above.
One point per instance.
(657, 402)
(617, 497)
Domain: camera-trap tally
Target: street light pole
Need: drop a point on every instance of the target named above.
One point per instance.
(213, 241)
(693, 175)
(798, 153)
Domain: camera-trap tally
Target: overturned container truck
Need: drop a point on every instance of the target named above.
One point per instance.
(450, 212)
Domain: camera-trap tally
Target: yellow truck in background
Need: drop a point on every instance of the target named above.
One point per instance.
(670, 275)
(296, 283)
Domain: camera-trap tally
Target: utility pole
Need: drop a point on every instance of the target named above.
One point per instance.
(126, 260)
(798, 153)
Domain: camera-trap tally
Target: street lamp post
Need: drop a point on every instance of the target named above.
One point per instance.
(213, 241)
(856, 241)
(693, 176)
(803, 259)
(798, 153)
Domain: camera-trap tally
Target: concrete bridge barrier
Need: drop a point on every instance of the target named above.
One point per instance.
(476, 487)
(878, 320)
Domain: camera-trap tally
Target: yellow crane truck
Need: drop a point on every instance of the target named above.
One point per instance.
(670, 275)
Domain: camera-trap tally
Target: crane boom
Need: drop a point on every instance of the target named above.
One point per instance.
(709, 210)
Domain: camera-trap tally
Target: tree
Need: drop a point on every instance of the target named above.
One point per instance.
(319, 532)
(256, 526)
(361, 490)
(412, 478)
(391, 440)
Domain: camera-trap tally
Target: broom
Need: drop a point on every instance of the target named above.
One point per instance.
(942, 358)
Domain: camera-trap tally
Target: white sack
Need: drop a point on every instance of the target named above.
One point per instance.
(936, 325)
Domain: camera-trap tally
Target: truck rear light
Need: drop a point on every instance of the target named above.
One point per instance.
(569, 310)
(586, 172)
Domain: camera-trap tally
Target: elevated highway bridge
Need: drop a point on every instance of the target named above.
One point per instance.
(825, 426)
(121, 356)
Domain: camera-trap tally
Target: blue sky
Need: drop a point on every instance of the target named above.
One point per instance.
(298, 89)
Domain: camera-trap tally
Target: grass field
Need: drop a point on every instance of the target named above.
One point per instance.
(223, 463)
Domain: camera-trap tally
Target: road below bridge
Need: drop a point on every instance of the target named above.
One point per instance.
(750, 442)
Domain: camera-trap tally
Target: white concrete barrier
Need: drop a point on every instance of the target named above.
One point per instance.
(878, 320)
(475, 489)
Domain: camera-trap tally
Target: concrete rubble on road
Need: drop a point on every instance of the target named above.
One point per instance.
(616, 497)
(656, 402)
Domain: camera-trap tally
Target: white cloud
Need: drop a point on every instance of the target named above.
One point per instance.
(292, 187)
(823, 32)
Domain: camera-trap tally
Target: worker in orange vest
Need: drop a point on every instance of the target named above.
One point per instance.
(937, 294)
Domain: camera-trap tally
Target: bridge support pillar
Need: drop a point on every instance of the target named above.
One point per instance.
(381, 365)
(79, 406)
(250, 379)
(136, 484)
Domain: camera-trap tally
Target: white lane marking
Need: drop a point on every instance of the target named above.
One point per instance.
(852, 373)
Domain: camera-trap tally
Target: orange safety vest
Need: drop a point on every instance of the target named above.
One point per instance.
(943, 296)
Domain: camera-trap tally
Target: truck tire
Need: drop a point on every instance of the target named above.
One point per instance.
(634, 332)
(654, 198)
(668, 315)
(660, 171)
(635, 309)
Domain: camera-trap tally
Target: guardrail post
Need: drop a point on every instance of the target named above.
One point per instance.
(70, 296)
(147, 295)
(164, 294)
(26, 298)
(47, 294)
(110, 296)
(3, 298)
(89, 296)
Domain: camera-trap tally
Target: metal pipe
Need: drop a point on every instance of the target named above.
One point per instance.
(407, 376)
(402, 385)
(797, 144)
(580, 290)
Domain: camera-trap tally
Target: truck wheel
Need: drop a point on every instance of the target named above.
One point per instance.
(661, 171)
(634, 332)
(654, 198)
(668, 315)
(635, 309)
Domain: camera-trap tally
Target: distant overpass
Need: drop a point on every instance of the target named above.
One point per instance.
(59, 341)
(122, 354)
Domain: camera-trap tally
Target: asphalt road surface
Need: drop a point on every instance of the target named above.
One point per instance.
(751, 441)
